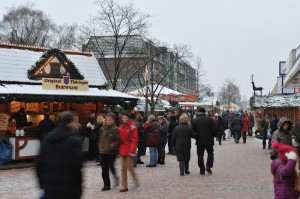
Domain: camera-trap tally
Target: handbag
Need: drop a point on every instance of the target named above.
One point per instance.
(269, 135)
(5, 150)
(153, 139)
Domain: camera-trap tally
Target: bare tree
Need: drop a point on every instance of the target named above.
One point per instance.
(161, 69)
(203, 89)
(66, 36)
(116, 36)
(229, 92)
(27, 26)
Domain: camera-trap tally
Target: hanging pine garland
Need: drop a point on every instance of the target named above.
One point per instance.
(61, 56)
(127, 105)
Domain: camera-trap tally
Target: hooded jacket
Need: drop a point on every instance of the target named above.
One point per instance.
(59, 164)
(281, 136)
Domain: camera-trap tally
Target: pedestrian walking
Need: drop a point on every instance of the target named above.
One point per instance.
(265, 126)
(171, 128)
(205, 132)
(274, 127)
(283, 135)
(128, 145)
(59, 162)
(93, 141)
(236, 126)
(245, 127)
(182, 136)
(286, 178)
(163, 140)
(96, 135)
(220, 129)
(251, 123)
(152, 139)
(141, 139)
(109, 141)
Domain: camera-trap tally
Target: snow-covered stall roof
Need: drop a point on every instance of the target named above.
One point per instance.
(161, 90)
(276, 101)
(15, 62)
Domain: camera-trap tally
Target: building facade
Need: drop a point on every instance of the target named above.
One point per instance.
(137, 54)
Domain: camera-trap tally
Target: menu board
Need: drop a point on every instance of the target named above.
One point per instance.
(3, 122)
(33, 107)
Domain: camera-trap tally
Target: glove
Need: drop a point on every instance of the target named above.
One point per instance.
(291, 155)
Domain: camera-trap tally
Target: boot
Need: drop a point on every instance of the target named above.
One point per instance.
(162, 161)
(159, 160)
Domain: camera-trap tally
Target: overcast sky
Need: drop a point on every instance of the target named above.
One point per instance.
(235, 38)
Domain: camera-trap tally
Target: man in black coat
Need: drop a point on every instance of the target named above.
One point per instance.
(59, 162)
(205, 132)
(236, 127)
(46, 125)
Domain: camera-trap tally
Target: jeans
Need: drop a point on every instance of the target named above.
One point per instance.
(210, 156)
(108, 162)
(127, 164)
(244, 137)
(237, 136)
(153, 155)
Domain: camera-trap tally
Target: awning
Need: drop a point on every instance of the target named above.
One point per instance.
(35, 93)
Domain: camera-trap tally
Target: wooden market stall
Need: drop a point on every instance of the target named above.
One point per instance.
(282, 105)
(36, 79)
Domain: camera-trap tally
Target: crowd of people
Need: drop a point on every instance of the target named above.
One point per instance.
(127, 136)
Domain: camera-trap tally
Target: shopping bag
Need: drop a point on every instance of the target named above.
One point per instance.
(5, 150)
(269, 135)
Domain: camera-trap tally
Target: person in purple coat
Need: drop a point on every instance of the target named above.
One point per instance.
(286, 179)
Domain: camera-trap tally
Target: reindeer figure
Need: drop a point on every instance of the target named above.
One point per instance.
(256, 88)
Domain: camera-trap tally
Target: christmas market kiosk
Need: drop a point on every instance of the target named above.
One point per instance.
(35, 79)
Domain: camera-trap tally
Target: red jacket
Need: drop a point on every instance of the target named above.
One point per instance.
(246, 124)
(128, 139)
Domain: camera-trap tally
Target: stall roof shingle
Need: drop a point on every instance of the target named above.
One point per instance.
(277, 101)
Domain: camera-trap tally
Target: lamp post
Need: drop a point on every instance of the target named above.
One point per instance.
(146, 82)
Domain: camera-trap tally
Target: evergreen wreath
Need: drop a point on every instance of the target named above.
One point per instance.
(61, 56)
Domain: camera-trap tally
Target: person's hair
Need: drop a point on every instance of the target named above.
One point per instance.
(66, 117)
(112, 115)
(125, 114)
(275, 116)
(151, 117)
(202, 110)
(245, 115)
(183, 119)
(100, 114)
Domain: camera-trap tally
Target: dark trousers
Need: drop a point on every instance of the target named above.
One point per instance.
(108, 163)
(139, 152)
(264, 138)
(170, 147)
(244, 137)
(224, 136)
(220, 138)
(237, 136)
(161, 153)
(93, 149)
(210, 156)
(183, 166)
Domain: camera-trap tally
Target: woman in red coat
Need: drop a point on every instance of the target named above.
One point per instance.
(128, 145)
(245, 126)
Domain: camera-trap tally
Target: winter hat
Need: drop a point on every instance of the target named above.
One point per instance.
(282, 149)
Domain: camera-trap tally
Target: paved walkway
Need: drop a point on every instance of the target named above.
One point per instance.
(240, 171)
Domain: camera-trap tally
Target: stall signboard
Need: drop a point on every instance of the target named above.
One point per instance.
(33, 107)
(3, 122)
(15, 106)
(65, 84)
